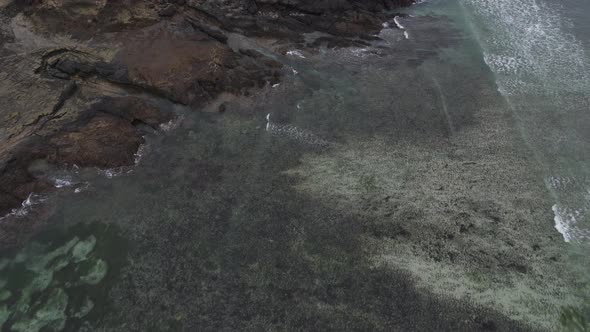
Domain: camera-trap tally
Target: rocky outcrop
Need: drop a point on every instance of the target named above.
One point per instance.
(188, 66)
(289, 19)
(81, 81)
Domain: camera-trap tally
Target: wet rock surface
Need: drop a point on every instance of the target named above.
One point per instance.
(81, 78)
(61, 57)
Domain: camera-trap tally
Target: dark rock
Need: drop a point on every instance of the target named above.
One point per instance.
(222, 108)
(64, 63)
(288, 18)
(89, 146)
(251, 53)
(104, 135)
(212, 32)
(167, 11)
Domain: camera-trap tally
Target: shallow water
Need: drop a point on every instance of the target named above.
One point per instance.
(393, 187)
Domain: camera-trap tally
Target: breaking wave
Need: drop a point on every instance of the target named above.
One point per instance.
(543, 72)
(294, 133)
(26, 206)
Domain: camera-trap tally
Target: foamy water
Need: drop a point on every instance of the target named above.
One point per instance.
(26, 206)
(571, 213)
(62, 182)
(529, 44)
(543, 72)
(567, 223)
(397, 23)
(296, 53)
(294, 133)
(172, 124)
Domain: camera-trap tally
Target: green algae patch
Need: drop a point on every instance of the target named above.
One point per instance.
(4, 314)
(49, 315)
(82, 249)
(54, 282)
(37, 260)
(5, 294)
(97, 272)
(85, 309)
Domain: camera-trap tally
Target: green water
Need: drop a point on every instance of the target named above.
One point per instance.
(398, 187)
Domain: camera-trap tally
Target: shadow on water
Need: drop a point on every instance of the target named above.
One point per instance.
(220, 240)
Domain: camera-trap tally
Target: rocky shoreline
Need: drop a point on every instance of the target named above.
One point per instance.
(83, 81)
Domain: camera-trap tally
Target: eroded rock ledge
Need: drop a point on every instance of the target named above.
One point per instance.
(81, 80)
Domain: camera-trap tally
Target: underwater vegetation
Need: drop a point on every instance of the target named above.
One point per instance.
(577, 318)
(51, 283)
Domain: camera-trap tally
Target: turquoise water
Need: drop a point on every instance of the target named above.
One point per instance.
(412, 185)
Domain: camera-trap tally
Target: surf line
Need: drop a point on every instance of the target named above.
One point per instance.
(401, 27)
(295, 134)
(397, 24)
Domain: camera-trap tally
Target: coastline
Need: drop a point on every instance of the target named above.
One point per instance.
(83, 97)
(351, 178)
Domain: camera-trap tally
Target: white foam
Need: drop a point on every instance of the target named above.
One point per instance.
(562, 224)
(505, 64)
(567, 223)
(528, 41)
(63, 182)
(563, 183)
(406, 35)
(294, 133)
(172, 124)
(26, 206)
(360, 52)
(82, 187)
(140, 153)
(114, 172)
(535, 59)
(296, 53)
(398, 24)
